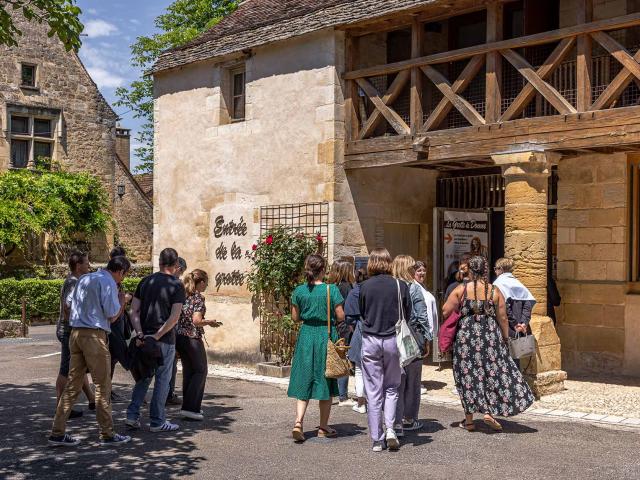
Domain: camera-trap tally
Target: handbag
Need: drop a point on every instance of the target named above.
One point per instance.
(522, 346)
(447, 332)
(449, 328)
(337, 364)
(408, 347)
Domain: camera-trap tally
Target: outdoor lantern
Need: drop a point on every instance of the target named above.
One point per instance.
(121, 189)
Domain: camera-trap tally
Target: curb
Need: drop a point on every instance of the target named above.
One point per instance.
(237, 373)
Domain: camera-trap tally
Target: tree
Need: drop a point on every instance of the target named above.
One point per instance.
(62, 16)
(184, 20)
(59, 205)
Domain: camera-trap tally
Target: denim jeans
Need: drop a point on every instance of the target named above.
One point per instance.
(343, 388)
(160, 389)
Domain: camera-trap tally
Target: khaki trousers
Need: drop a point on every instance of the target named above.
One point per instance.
(89, 351)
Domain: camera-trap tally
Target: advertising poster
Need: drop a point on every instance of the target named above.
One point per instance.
(465, 234)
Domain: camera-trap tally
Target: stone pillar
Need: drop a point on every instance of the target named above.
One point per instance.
(526, 183)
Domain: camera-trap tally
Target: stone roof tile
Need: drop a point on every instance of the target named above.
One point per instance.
(258, 22)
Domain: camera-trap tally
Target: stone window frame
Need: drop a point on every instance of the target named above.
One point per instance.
(35, 75)
(32, 114)
(229, 72)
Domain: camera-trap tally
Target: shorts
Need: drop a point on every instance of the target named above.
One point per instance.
(65, 354)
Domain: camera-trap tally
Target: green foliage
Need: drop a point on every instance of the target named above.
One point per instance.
(42, 296)
(277, 267)
(62, 16)
(60, 205)
(183, 21)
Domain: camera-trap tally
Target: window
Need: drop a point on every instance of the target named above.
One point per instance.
(31, 140)
(237, 95)
(28, 75)
(19, 153)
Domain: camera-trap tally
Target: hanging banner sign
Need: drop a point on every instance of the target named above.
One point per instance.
(465, 234)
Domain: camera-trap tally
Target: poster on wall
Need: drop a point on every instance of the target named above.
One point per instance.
(465, 234)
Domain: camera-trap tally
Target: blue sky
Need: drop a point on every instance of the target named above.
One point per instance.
(111, 28)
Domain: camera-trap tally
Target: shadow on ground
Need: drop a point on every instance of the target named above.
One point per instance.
(26, 414)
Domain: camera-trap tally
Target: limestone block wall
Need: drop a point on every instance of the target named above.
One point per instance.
(592, 219)
(133, 214)
(209, 172)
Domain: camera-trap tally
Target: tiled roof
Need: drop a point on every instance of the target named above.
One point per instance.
(258, 22)
(145, 181)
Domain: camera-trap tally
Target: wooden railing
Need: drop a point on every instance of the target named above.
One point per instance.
(569, 81)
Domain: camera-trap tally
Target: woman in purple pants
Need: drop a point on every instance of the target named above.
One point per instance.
(379, 307)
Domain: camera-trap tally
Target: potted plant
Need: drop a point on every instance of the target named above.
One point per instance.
(277, 265)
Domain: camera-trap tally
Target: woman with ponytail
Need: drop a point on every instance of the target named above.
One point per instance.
(307, 379)
(487, 379)
(190, 346)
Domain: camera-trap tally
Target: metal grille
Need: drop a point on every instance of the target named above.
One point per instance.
(482, 191)
(308, 218)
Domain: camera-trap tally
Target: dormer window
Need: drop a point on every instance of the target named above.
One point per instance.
(28, 75)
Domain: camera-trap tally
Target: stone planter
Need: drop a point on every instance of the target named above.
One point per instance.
(13, 329)
(272, 369)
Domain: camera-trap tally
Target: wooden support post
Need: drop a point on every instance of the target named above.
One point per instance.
(416, 115)
(494, 63)
(352, 123)
(583, 59)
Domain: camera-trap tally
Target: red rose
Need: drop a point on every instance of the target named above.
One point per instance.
(319, 238)
(254, 247)
(269, 240)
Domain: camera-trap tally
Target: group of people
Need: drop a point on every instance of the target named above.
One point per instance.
(366, 307)
(97, 329)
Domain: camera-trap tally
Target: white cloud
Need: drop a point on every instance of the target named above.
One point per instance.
(92, 11)
(99, 28)
(104, 78)
(134, 21)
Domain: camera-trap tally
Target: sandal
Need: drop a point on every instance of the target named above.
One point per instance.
(327, 433)
(469, 427)
(298, 433)
(492, 423)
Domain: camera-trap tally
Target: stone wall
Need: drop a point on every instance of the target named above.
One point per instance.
(133, 214)
(207, 168)
(592, 220)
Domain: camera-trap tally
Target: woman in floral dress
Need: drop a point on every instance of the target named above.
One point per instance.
(487, 379)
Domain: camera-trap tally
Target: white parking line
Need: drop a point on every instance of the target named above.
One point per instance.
(44, 356)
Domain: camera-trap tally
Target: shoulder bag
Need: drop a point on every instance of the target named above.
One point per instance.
(337, 364)
(522, 346)
(408, 348)
(449, 328)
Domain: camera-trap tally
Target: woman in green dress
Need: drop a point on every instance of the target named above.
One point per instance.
(307, 381)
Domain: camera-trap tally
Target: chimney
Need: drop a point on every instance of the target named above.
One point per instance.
(123, 145)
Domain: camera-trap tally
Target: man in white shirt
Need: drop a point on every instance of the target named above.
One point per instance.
(95, 304)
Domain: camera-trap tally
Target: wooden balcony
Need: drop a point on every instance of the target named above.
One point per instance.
(568, 90)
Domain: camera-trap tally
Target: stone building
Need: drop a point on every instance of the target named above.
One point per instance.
(430, 127)
(50, 107)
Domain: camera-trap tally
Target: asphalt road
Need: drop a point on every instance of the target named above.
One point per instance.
(246, 435)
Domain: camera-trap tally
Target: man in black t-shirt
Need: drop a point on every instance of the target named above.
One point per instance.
(155, 310)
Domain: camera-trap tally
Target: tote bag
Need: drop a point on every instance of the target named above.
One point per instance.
(407, 345)
(522, 346)
(337, 364)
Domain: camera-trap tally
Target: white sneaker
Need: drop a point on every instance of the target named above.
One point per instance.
(359, 409)
(392, 440)
(377, 446)
(191, 415)
(347, 403)
(167, 426)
